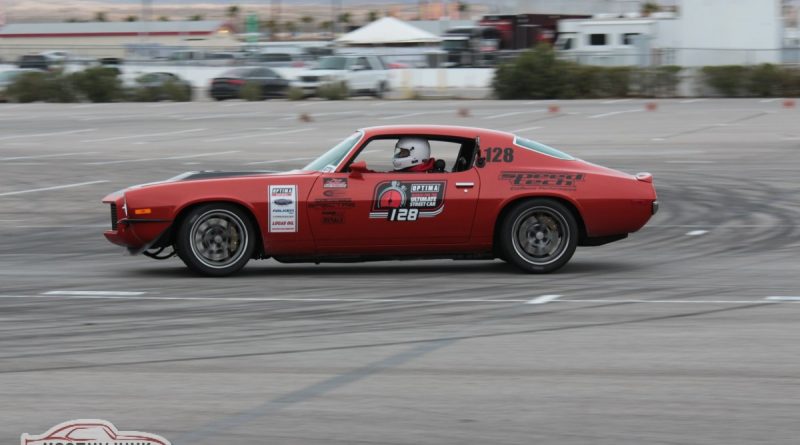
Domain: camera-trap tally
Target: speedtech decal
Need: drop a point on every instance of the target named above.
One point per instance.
(407, 200)
(542, 180)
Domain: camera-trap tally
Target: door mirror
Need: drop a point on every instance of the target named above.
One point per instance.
(357, 169)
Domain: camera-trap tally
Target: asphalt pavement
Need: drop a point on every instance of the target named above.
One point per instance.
(684, 333)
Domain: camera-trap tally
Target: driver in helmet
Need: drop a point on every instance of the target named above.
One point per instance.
(413, 154)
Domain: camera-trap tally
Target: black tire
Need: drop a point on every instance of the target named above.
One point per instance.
(380, 90)
(538, 236)
(215, 239)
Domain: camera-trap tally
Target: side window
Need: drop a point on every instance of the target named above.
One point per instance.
(597, 39)
(379, 153)
(363, 62)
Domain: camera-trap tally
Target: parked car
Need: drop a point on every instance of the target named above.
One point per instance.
(8, 77)
(501, 196)
(361, 74)
(34, 61)
(229, 84)
(157, 81)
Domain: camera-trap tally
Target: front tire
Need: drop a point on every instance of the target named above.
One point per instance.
(215, 239)
(538, 236)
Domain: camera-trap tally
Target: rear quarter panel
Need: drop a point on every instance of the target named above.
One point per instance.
(609, 202)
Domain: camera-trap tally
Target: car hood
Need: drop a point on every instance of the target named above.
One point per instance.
(207, 175)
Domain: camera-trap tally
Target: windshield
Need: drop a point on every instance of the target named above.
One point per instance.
(328, 161)
(331, 63)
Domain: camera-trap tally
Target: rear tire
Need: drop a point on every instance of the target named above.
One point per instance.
(215, 239)
(538, 236)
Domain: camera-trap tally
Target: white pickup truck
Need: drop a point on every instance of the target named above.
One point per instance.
(362, 74)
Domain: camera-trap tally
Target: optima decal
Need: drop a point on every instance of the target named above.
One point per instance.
(282, 208)
(407, 200)
(542, 180)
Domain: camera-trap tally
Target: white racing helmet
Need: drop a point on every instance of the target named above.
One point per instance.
(410, 151)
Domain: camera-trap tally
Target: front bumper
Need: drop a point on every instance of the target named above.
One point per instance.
(135, 234)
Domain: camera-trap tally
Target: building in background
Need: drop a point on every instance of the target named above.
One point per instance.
(110, 39)
(707, 32)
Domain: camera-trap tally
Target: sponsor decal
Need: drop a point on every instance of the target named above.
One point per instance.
(407, 200)
(282, 208)
(334, 183)
(336, 203)
(542, 180)
(91, 432)
(332, 217)
(334, 192)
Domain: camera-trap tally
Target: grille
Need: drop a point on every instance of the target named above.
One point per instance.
(309, 78)
(113, 217)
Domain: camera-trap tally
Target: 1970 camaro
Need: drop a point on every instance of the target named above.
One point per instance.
(499, 196)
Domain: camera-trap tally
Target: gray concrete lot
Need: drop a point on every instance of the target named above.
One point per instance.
(668, 337)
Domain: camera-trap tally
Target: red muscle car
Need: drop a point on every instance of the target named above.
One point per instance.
(500, 196)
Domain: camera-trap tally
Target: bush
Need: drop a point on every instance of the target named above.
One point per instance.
(764, 80)
(535, 74)
(251, 91)
(790, 82)
(295, 93)
(176, 91)
(728, 80)
(333, 91)
(98, 84)
(660, 81)
(41, 86)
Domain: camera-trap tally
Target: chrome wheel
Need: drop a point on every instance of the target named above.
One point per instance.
(218, 238)
(540, 235)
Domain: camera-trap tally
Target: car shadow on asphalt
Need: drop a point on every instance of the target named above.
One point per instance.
(271, 268)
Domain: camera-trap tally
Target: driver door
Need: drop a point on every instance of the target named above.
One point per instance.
(411, 212)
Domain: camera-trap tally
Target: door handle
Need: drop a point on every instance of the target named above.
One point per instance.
(465, 184)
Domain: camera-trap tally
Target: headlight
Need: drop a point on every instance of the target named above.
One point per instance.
(125, 205)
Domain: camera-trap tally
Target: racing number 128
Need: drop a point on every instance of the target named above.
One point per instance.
(403, 214)
(498, 154)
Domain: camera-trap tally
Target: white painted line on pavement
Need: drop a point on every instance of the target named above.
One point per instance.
(520, 130)
(55, 187)
(169, 158)
(697, 232)
(58, 155)
(403, 116)
(783, 298)
(543, 299)
(277, 161)
(616, 101)
(692, 101)
(261, 134)
(37, 135)
(766, 101)
(690, 162)
(95, 293)
(136, 136)
(392, 300)
(613, 113)
(513, 113)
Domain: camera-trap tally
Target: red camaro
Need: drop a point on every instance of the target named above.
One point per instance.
(493, 195)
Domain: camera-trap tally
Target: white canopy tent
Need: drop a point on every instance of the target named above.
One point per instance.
(388, 31)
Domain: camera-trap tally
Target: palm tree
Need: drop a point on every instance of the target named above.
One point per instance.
(344, 18)
(131, 18)
(327, 25)
(233, 11)
(100, 16)
(307, 20)
(163, 18)
(290, 26)
(649, 8)
(462, 8)
(372, 16)
(196, 18)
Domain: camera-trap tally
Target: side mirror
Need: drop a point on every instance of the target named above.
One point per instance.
(357, 169)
